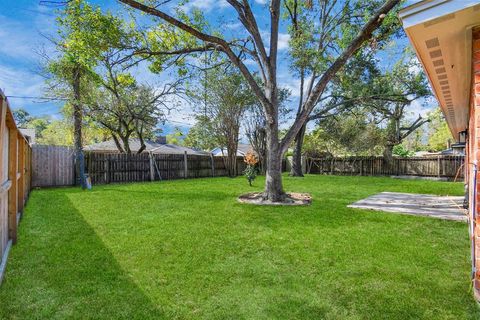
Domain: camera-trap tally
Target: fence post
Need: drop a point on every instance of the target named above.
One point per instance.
(213, 164)
(107, 179)
(185, 166)
(438, 164)
(12, 193)
(20, 173)
(152, 171)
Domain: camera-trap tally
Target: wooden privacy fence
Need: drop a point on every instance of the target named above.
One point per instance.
(440, 166)
(53, 166)
(15, 175)
(106, 168)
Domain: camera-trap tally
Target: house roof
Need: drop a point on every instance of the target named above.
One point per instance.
(110, 146)
(28, 133)
(242, 150)
(440, 32)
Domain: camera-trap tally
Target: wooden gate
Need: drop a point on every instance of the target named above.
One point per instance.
(53, 166)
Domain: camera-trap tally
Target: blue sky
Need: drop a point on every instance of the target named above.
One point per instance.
(24, 22)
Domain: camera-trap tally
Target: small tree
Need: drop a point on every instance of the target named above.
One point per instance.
(22, 117)
(351, 132)
(402, 87)
(438, 132)
(202, 134)
(127, 110)
(84, 32)
(227, 98)
(251, 170)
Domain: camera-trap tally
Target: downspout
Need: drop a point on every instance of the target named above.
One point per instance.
(474, 218)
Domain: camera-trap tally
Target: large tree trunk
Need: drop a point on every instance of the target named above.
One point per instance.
(232, 160)
(296, 170)
(388, 153)
(117, 143)
(77, 129)
(231, 138)
(273, 181)
(126, 144)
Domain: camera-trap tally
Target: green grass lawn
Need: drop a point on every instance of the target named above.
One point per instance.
(188, 250)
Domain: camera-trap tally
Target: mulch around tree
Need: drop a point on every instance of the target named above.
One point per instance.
(291, 199)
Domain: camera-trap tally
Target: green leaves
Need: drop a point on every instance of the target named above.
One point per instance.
(86, 32)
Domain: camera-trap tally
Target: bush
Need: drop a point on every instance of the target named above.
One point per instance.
(251, 171)
(401, 151)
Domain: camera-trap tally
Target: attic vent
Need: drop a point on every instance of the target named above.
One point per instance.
(438, 63)
(436, 54)
(440, 70)
(432, 43)
(443, 82)
(439, 20)
(441, 77)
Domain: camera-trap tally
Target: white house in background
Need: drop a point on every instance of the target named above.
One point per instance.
(109, 146)
(29, 134)
(241, 150)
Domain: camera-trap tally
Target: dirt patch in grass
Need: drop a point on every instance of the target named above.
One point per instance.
(291, 199)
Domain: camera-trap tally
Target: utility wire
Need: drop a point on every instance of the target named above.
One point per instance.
(38, 98)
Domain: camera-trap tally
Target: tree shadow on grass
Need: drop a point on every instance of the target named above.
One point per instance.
(61, 269)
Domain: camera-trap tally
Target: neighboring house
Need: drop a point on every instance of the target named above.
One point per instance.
(454, 150)
(241, 150)
(29, 134)
(154, 147)
(425, 154)
(446, 38)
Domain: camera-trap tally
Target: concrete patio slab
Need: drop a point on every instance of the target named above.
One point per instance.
(442, 207)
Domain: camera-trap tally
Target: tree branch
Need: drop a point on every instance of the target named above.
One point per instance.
(364, 34)
(222, 44)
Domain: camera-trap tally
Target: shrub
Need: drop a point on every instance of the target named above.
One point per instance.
(251, 170)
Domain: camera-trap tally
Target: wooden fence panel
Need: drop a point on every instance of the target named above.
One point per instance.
(52, 166)
(106, 168)
(439, 166)
(4, 238)
(169, 166)
(14, 179)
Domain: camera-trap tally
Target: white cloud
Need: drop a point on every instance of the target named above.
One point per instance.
(16, 41)
(20, 82)
(206, 5)
(234, 26)
(286, 80)
(420, 107)
(250, 62)
(283, 39)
